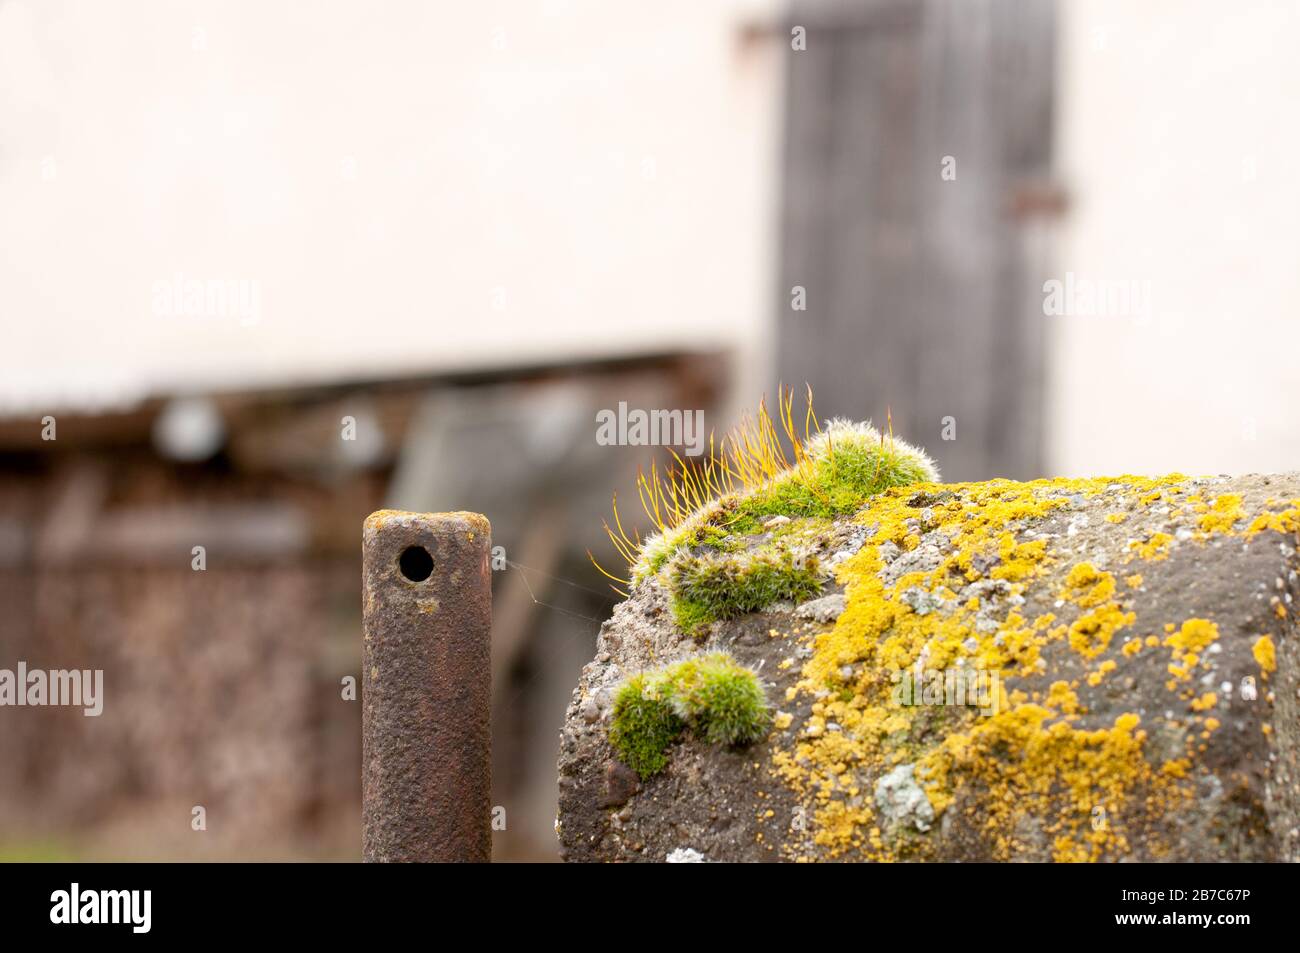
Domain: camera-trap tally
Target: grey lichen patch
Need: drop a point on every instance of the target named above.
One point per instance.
(685, 855)
(902, 801)
(826, 609)
(921, 601)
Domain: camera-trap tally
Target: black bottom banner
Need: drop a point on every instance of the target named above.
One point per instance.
(113, 903)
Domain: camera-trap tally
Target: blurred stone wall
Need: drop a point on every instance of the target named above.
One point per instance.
(224, 686)
(222, 689)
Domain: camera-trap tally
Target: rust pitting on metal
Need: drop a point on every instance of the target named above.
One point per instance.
(426, 708)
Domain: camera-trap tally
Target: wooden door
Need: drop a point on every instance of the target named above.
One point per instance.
(917, 135)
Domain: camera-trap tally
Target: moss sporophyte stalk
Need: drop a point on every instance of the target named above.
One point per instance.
(720, 535)
(717, 699)
(737, 533)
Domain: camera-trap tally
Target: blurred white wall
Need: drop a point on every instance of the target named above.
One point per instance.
(407, 186)
(413, 186)
(1177, 137)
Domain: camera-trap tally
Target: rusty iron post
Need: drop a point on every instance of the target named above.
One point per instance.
(427, 613)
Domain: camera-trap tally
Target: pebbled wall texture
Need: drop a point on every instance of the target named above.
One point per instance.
(1127, 650)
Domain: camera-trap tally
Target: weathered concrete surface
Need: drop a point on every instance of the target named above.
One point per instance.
(426, 718)
(1127, 730)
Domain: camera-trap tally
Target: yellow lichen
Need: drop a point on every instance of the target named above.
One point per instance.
(1035, 767)
(1100, 586)
(1019, 560)
(1104, 669)
(1029, 769)
(1265, 655)
(1154, 548)
(881, 637)
(1223, 514)
(1193, 638)
(1286, 521)
(1090, 634)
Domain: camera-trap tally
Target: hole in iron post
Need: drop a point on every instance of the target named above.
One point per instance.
(416, 563)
